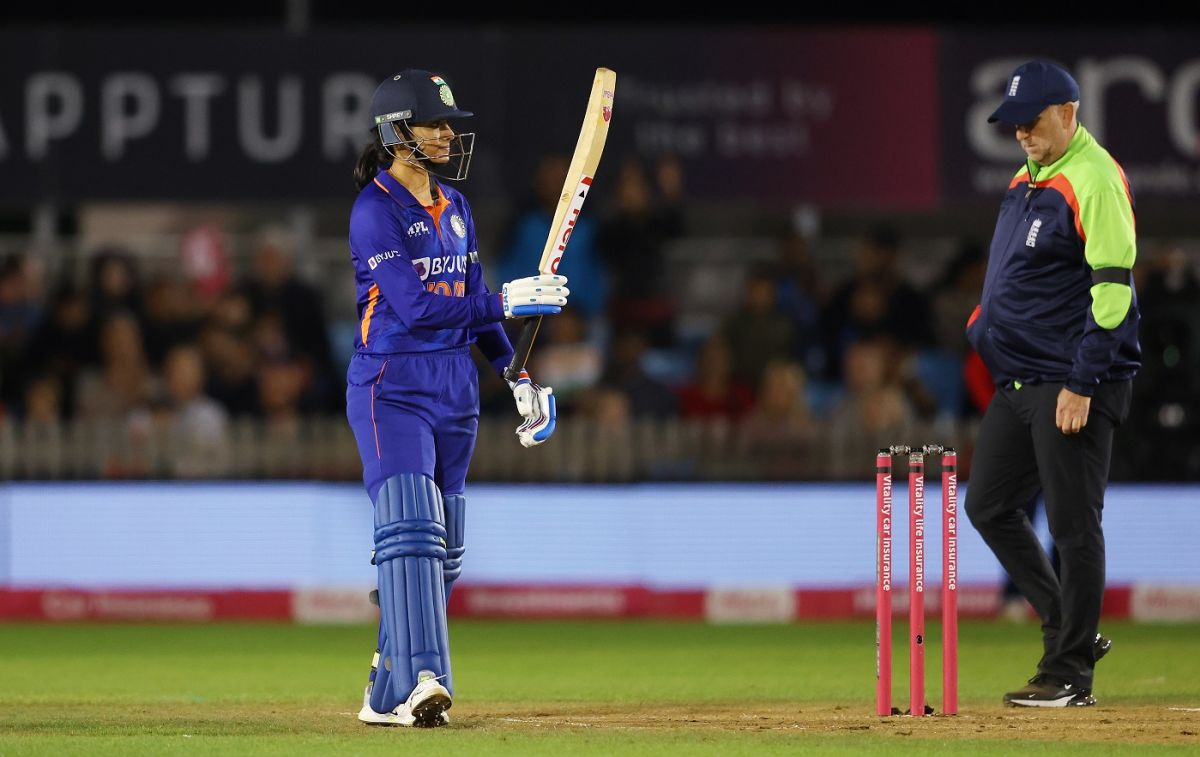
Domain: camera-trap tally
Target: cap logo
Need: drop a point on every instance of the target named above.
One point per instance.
(443, 90)
(399, 115)
(1012, 88)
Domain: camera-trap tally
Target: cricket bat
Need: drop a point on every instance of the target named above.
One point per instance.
(575, 190)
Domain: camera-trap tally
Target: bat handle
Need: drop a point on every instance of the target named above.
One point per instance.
(524, 346)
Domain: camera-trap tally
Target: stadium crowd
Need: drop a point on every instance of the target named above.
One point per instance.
(798, 358)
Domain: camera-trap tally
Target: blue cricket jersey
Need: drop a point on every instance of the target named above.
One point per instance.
(420, 287)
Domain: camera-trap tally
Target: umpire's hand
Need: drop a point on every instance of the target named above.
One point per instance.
(1072, 412)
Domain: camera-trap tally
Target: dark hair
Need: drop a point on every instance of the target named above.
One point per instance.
(374, 156)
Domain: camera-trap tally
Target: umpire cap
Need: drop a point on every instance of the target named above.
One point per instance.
(1031, 88)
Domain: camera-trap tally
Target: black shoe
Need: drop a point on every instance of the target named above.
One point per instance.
(1047, 691)
(1101, 646)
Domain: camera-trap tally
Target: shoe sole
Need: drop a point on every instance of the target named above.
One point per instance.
(1061, 703)
(370, 717)
(428, 714)
(1057, 703)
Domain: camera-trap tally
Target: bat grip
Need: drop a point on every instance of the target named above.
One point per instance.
(521, 351)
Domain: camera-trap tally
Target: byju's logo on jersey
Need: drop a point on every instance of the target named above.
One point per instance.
(1031, 240)
(446, 264)
(374, 261)
(418, 229)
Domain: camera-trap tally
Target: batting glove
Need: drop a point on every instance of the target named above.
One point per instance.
(534, 295)
(536, 405)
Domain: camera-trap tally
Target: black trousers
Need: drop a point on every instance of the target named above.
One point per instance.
(1019, 453)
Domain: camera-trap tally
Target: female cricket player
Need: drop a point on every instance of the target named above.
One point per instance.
(412, 395)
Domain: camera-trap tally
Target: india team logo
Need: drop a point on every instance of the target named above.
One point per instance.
(459, 226)
(444, 91)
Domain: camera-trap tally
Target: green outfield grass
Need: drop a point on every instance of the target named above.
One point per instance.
(611, 688)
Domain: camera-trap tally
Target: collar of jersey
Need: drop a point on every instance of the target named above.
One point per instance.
(400, 194)
(1079, 141)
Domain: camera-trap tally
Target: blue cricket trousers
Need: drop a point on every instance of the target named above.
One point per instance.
(414, 413)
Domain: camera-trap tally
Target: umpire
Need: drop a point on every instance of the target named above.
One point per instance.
(1057, 327)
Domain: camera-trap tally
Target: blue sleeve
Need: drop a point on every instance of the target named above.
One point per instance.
(492, 340)
(377, 241)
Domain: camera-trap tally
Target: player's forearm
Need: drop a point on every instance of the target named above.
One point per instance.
(494, 344)
(432, 311)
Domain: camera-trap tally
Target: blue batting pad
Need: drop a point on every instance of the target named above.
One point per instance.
(456, 512)
(410, 548)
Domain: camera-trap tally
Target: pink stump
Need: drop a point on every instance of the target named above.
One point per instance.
(949, 582)
(883, 582)
(916, 584)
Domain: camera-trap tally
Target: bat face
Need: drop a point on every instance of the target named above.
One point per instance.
(575, 188)
(584, 162)
(574, 205)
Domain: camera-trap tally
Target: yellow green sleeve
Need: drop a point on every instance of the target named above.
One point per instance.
(1107, 222)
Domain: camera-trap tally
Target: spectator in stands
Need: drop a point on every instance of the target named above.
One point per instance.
(778, 436)
(605, 416)
(123, 384)
(525, 237)
(608, 409)
(119, 395)
(64, 343)
(43, 403)
(173, 316)
(41, 436)
(281, 389)
(714, 391)
(956, 294)
(232, 363)
(632, 241)
(873, 413)
(197, 426)
(758, 332)
(876, 301)
(114, 286)
(801, 297)
(19, 315)
(275, 290)
(626, 372)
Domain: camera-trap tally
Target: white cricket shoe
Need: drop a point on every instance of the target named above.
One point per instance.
(425, 707)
